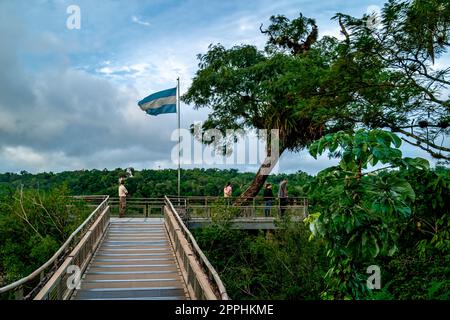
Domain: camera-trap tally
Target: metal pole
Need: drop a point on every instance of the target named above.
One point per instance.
(179, 136)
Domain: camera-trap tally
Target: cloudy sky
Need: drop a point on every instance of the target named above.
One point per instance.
(68, 97)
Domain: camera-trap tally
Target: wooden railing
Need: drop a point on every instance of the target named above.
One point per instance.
(60, 286)
(89, 232)
(199, 275)
(205, 207)
(139, 207)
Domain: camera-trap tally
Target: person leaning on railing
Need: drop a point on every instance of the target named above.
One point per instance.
(123, 198)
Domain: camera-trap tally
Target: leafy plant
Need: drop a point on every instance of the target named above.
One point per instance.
(360, 212)
(33, 225)
(279, 264)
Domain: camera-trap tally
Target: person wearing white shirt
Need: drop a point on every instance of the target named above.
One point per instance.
(123, 192)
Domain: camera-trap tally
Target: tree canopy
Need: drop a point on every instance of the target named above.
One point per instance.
(378, 76)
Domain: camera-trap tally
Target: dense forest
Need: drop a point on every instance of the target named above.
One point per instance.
(33, 226)
(146, 183)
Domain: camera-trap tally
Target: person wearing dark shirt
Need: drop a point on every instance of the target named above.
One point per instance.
(268, 199)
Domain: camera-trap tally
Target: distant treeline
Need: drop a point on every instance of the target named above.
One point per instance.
(148, 183)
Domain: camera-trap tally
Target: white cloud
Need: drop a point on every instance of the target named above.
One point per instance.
(24, 156)
(7, 122)
(332, 32)
(111, 70)
(31, 160)
(141, 22)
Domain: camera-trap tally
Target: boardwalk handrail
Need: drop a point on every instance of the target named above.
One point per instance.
(61, 251)
(202, 206)
(299, 200)
(64, 281)
(199, 253)
(139, 207)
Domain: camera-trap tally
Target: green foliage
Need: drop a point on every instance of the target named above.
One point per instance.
(369, 217)
(392, 68)
(251, 89)
(421, 269)
(360, 224)
(147, 183)
(33, 225)
(408, 276)
(280, 264)
(307, 87)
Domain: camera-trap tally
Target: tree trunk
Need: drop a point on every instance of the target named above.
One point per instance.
(259, 180)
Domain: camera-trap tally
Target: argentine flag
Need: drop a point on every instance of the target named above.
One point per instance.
(160, 102)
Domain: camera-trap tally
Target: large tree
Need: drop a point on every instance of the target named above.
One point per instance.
(381, 75)
(392, 73)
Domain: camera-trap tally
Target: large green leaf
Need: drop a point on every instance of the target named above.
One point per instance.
(403, 188)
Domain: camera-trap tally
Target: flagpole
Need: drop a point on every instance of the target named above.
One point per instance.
(179, 136)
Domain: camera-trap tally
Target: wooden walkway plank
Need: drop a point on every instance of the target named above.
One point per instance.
(135, 261)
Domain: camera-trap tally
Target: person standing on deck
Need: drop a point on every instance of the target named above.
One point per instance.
(123, 192)
(227, 192)
(268, 199)
(282, 195)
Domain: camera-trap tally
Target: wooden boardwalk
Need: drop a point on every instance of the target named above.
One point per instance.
(135, 261)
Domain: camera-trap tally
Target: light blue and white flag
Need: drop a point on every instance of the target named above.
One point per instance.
(160, 102)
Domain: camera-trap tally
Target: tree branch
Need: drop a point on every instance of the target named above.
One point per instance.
(433, 154)
(429, 143)
(25, 216)
(343, 30)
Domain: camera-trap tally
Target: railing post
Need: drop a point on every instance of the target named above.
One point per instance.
(253, 215)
